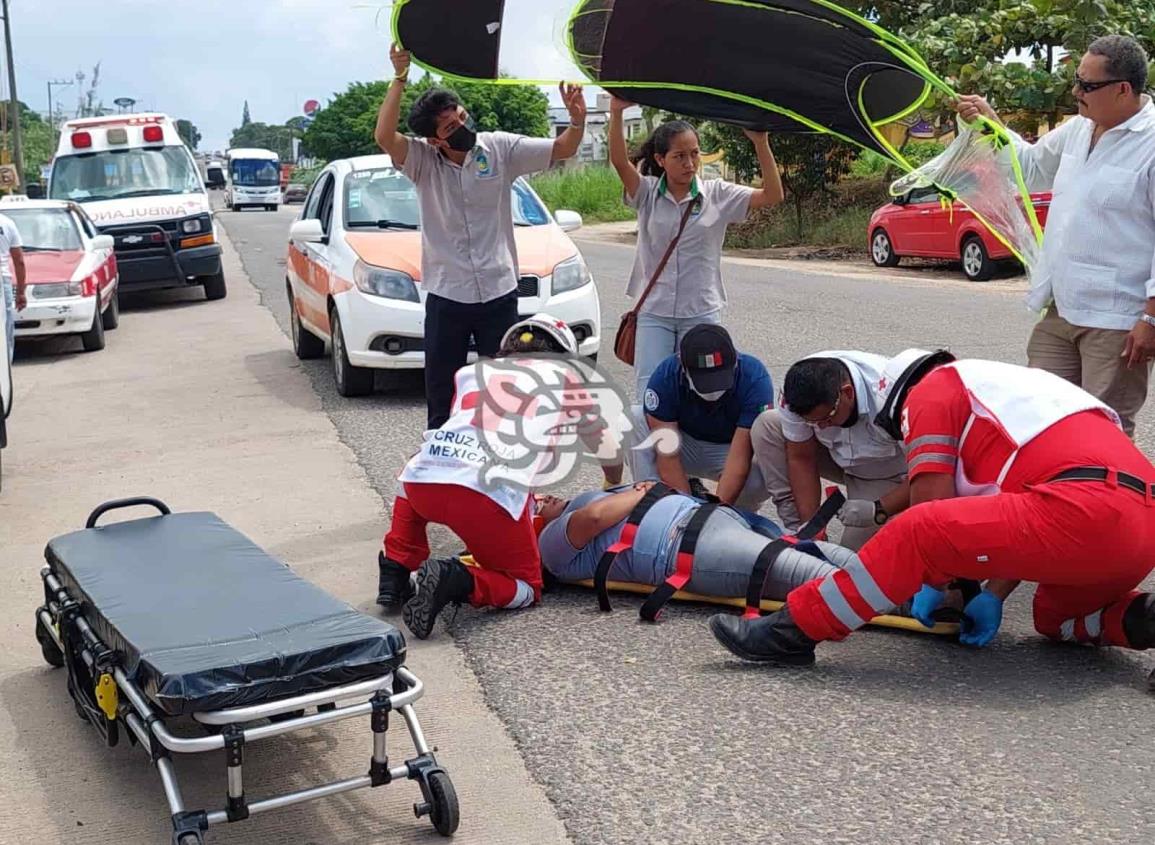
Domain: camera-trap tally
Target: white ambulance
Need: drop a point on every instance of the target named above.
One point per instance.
(139, 183)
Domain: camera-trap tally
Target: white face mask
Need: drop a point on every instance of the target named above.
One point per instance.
(712, 396)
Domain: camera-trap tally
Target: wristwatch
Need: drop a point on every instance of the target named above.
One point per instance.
(880, 514)
(1148, 319)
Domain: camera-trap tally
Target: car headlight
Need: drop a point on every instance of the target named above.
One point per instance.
(54, 290)
(194, 224)
(570, 275)
(378, 281)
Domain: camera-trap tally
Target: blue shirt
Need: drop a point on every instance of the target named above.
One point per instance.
(669, 398)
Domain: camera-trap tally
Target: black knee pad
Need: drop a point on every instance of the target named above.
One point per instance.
(1139, 622)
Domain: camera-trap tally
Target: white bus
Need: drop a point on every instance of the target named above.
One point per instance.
(252, 178)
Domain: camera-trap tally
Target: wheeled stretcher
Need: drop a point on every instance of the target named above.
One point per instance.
(179, 618)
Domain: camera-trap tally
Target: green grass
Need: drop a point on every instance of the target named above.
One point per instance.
(594, 192)
(844, 227)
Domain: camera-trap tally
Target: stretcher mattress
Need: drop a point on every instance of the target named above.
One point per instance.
(203, 619)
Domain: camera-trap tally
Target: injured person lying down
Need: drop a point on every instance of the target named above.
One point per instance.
(672, 535)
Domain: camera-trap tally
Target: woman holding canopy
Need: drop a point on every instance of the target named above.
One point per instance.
(664, 188)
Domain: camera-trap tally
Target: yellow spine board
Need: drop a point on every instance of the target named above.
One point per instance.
(902, 623)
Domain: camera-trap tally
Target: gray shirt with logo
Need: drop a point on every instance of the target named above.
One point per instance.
(468, 253)
(691, 283)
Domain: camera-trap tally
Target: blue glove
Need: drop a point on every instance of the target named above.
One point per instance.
(981, 619)
(926, 602)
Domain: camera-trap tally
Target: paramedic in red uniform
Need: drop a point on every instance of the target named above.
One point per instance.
(1015, 475)
(445, 483)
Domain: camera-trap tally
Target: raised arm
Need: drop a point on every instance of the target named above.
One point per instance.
(386, 134)
(1040, 161)
(771, 193)
(568, 142)
(619, 155)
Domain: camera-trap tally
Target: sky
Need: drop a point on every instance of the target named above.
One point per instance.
(202, 60)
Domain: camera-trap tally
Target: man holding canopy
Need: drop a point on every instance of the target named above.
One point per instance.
(468, 254)
(1095, 278)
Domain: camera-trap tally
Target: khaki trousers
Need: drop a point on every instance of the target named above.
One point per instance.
(1091, 359)
(868, 481)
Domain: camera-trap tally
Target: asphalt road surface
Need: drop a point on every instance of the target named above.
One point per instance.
(654, 734)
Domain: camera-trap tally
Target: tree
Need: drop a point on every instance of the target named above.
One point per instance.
(345, 126)
(188, 133)
(279, 139)
(967, 42)
(811, 164)
(523, 109)
(246, 118)
(39, 147)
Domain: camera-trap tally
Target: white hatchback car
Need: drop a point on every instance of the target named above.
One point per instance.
(71, 271)
(354, 271)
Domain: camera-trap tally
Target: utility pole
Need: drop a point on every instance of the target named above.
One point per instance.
(17, 141)
(52, 106)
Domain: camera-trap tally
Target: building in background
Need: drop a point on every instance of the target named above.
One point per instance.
(595, 148)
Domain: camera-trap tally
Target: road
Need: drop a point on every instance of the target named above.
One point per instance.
(653, 734)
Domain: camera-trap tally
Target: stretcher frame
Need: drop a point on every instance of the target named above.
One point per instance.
(232, 729)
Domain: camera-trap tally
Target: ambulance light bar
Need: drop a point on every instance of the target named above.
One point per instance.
(153, 134)
(81, 140)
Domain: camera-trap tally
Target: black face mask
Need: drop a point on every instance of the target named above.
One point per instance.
(463, 138)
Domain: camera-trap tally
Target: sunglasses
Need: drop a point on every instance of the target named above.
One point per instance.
(824, 419)
(1087, 87)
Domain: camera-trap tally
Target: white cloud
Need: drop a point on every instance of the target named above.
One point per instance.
(202, 60)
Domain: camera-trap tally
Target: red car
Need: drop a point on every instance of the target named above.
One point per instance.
(918, 225)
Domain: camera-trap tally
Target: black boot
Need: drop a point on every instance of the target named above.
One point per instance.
(1139, 622)
(393, 587)
(440, 581)
(769, 639)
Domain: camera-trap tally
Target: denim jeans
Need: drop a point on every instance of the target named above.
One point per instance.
(10, 317)
(657, 340)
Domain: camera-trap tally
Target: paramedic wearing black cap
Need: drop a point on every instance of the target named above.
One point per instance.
(705, 398)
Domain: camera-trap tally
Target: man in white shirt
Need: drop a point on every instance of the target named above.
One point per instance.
(1095, 277)
(468, 254)
(12, 278)
(824, 429)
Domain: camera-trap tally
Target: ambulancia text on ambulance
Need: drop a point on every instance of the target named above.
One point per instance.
(138, 182)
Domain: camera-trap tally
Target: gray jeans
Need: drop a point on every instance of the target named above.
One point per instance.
(727, 550)
(699, 459)
(657, 339)
(868, 481)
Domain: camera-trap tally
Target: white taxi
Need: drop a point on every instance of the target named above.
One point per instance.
(71, 272)
(354, 271)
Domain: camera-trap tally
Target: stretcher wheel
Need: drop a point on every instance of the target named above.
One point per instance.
(444, 812)
(48, 648)
(190, 839)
